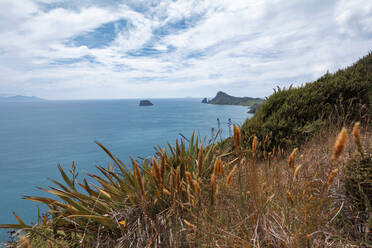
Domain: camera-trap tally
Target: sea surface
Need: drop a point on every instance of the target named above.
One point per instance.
(36, 136)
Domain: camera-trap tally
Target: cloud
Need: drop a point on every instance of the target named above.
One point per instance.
(63, 49)
(354, 18)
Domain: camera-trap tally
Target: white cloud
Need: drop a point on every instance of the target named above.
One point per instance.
(354, 17)
(244, 47)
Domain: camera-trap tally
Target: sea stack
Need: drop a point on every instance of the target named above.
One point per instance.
(145, 103)
(205, 100)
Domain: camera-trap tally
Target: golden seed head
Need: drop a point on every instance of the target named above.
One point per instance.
(229, 177)
(236, 137)
(254, 143)
(162, 168)
(339, 144)
(292, 158)
(213, 179)
(215, 167)
(296, 171)
(190, 181)
(197, 186)
(50, 244)
(189, 224)
(218, 167)
(165, 191)
(222, 170)
(331, 176)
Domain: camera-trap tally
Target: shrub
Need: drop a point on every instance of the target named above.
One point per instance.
(358, 180)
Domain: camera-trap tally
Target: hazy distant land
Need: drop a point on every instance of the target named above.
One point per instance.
(19, 98)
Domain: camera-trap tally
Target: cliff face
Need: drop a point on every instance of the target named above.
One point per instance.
(225, 99)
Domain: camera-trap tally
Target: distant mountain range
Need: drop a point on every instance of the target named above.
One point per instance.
(19, 98)
(224, 99)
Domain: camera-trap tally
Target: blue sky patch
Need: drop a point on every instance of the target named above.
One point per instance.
(101, 36)
(67, 61)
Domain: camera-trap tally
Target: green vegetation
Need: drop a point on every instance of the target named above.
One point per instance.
(295, 114)
(253, 109)
(358, 177)
(250, 191)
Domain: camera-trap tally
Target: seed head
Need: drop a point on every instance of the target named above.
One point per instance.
(189, 224)
(190, 181)
(296, 171)
(339, 145)
(228, 181)
(162, 168)
(254, 144)
(197, 186)
(331, 176)
(236, 137)
(356, 134)
(292, 158)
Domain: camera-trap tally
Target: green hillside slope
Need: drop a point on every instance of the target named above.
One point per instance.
(292, 115)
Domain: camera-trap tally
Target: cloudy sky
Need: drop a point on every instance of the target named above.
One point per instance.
(84, 49)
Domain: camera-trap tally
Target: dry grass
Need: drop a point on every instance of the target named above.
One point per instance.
(278, 202)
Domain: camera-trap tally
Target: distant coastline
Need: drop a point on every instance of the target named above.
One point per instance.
(19, 98)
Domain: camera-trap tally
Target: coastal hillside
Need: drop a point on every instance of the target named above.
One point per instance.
(224, 99)
(293, 115)
(298, 174)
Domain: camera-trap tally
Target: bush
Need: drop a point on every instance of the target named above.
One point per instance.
(358, 180)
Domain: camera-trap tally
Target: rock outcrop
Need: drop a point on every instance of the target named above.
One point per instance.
(225, 99)
(145, 103)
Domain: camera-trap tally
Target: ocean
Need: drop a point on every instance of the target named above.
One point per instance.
(36, 136)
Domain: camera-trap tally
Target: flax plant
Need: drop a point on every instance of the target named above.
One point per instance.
(129, 204)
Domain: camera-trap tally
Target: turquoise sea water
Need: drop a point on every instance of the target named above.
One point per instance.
(36, 136)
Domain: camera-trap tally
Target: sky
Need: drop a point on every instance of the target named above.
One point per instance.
(100, 49)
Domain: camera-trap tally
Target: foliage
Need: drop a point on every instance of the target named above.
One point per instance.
(358, 180)
(253, 109)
